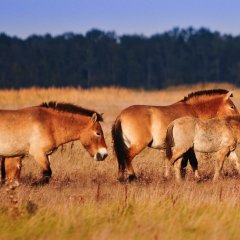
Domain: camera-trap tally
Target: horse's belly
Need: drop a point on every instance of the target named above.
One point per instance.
(205, 147)
(209, 144)
(12, 148)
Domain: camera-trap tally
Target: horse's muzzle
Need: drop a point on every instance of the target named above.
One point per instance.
(101, 154)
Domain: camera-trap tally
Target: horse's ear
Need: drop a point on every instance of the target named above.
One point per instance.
(228, 95)
(94, 117)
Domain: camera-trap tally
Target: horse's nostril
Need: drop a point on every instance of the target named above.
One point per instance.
(98, 157)
(101, 157)
(104, 156)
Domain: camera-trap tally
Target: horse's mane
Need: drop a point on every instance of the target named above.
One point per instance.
(71, 108)
(211, 92)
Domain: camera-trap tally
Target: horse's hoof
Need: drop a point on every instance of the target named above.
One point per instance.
(41, 182)
(132, 178)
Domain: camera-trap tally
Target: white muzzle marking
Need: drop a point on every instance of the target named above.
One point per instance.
(101, 154)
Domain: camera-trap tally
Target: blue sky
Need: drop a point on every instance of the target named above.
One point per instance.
(25, 17)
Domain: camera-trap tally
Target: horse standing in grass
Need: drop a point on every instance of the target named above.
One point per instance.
(40, 130)
(140, 126)
(218, 135)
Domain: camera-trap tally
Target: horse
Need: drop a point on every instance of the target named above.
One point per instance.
(217, 135)
(141, 126)
(39, 130)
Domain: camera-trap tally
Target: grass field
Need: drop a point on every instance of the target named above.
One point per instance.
(84, 199)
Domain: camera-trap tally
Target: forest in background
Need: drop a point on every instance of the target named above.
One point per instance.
(98, 58)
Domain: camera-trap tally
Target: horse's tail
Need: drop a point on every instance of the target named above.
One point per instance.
(169, 141)
(119, 146)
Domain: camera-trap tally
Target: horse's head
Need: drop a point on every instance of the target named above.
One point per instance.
(227, 106)
(93, 140)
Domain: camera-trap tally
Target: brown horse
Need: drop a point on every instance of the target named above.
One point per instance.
(140, 126)
(217, 135)
(40, 130)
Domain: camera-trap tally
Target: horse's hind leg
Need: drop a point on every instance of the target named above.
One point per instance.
(177, 168)
(132, 152)
(176, 161)
(167, 168)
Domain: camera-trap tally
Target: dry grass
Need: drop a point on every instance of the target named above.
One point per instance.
(85, 201)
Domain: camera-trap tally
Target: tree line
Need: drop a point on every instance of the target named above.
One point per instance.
(98, 58)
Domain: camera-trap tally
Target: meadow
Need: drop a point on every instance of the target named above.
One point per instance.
(84, 200)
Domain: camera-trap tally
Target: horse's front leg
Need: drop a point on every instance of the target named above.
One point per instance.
(43, 161)
(177, 168)
(132, 152)
(220, 157)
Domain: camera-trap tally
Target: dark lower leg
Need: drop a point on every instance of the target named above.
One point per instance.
(193, 162)
(130, 172)
(46, 170)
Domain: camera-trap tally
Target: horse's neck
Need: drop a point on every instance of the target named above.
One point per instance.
(204, 110)
(68, 127)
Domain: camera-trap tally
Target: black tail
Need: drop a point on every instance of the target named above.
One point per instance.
(120, 148)
(169, 141)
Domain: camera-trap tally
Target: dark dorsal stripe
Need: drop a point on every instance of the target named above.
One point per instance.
(210, 92)
(71, 108)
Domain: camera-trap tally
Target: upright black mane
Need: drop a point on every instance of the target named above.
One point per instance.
(210, 92)
(71, 108)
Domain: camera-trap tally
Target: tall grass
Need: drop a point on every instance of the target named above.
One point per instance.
(84, 199)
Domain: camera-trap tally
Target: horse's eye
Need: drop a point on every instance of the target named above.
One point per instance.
(233, 107)
(98, 133)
